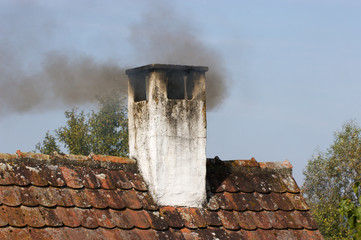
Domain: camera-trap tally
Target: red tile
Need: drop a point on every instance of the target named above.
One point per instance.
(172, 216)
(297, 201)
(189, 234)
(157, 221)
(252, 235)
(28, 196)
(187, 217)
(313, 235)
(62, 197)
(6, 174)
(131, 200)
(50, 217)
(19, 177)
(137, 181)
(68, 216)
(11, 233)
(114, 199)
(104, 179)
(120, 179)
(290, 183)
(140, 219)
(3, 218)
(229, 220)
(223, 201)
(212, 203)
(148, 234)
(53, 175)
(275, 183)
(236, 200)
(266, 234)
(96, 198)
(245, 220)
(121, 219)
(284, 234)
(89, 180)
(87, 217)
(104, 218)
(14, 216)
(265, 200)
(306, 219)
(45, 196)
(39, 234)
(211, 218)
(277, 220)
(282, 201)
(79, 198)
(261, 182)
(291, 219)
(72, 178)
(198, 219)
(33, 217)
(169, 234)
(147, 201)
(36, 175)
(261, 219)
(10, 195)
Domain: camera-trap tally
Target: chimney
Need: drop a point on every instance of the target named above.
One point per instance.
(167, 131)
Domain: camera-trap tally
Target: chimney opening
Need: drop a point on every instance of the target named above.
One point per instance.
(179, 85)
(139, 86)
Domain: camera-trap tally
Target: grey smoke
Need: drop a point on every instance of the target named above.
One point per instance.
(63, 78)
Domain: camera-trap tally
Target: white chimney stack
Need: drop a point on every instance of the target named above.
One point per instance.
(167, 131)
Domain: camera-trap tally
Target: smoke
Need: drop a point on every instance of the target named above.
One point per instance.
(63, 78)
(163, 36)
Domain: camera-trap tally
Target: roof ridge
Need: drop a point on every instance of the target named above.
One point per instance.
(71, 157)
(251, 163)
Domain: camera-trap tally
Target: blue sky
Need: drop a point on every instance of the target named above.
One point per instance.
(293, 67)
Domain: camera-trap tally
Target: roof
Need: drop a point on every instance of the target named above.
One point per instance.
(100, 197)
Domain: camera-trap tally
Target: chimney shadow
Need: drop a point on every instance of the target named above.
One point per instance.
(217, 172)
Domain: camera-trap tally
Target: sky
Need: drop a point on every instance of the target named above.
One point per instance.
(284, 75)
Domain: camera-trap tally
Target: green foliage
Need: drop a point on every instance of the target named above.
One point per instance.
(48, 145)
(102, 132)
(328, 178)
(352, 211)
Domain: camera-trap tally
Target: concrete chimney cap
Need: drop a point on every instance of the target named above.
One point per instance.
(157, 66)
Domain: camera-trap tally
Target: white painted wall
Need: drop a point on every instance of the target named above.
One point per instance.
(167, 137)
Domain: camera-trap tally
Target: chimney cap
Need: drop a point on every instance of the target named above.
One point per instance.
(151, 67)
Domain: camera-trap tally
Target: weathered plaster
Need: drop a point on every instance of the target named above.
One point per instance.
(167, 137)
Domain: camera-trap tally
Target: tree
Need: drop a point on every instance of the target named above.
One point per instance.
(102, 132)
(352, 211)
(329, 177)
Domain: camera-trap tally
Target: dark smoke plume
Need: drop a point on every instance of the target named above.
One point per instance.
(163, 36)
(72, 79)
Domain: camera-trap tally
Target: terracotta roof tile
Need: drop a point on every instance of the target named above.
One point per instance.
(211, 217)
(297, 201)
(98, 197)
(68, 217)
(157, 221)
(71, 177)
(228, 220)
(33, 217)
(131, 199)
(172, 216)
(245, 220)
(139, 218)
(121, 219)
